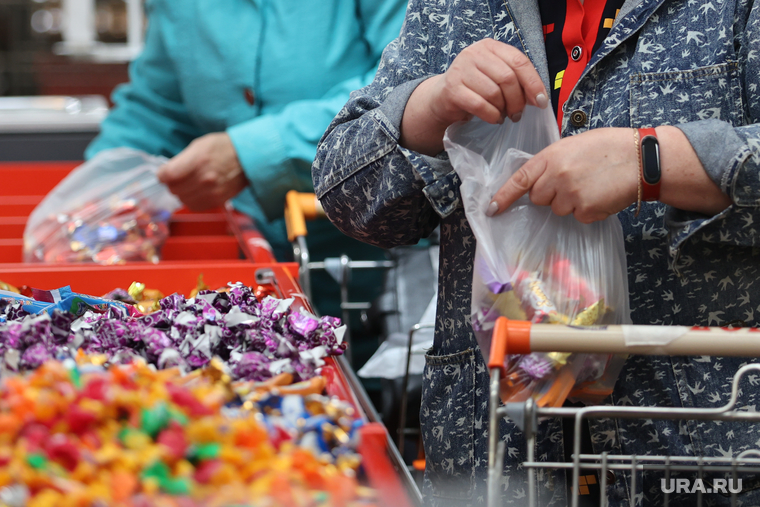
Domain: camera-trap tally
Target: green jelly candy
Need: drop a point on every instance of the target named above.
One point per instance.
(175, 486)
(176, 415)
(123, 434)
(126, 433)
(159, 470)
(36, 461)
(204, 451)
(153, 420)
(75, 377)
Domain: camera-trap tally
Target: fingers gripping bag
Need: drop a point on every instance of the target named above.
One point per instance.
(108, 210)
(533, 265)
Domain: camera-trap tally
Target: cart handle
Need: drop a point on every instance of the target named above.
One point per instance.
(522, 337)
(299, 207)
(516, 333)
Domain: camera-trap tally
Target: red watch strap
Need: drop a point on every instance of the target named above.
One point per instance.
(648, 192)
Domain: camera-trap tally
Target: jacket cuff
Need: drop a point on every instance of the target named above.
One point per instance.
(722, 153)
(720, 150)
(435, 172)
(682, 225)
(261, 153)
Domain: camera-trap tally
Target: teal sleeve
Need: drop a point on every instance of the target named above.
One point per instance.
(149, 113)
(276, 151)
(382, 20)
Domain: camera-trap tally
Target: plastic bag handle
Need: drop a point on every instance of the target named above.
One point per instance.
(509, 336)
(299, 207)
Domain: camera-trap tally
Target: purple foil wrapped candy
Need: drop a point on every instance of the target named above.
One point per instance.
(303, 371)
(490, 280)
(11, 310)
(257, 340)
(171, 358)
(60, 326)
(303, 323)
(254, 338)
(219, 300)
(273, 309)
(208, 312)
(117, 334)
(252, 366)
(34, 356)
(161, 319)
(156, 342)
(10, 335)
(173, 302)
(242, 296)
(536, 366)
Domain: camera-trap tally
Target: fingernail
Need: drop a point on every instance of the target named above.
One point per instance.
(541, 100)
(516, 117)
(492, 209)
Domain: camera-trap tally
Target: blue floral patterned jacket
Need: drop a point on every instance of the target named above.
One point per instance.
(690, 63)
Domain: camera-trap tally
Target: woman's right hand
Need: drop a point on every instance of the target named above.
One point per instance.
(489, 79)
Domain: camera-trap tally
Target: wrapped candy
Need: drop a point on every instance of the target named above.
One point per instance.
(109, 210)
(257, 340)
(531, 264)
(131, 436)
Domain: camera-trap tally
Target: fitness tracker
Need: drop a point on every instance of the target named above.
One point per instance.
(650, 164)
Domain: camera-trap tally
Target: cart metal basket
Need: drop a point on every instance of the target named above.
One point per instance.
(300, 207)
(518, 338)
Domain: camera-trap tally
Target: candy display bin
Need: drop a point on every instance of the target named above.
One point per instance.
(219, 234)
(221, 245)
(384, 467)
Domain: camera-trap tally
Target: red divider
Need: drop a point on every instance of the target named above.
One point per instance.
(373, 446)
(168, 277)
(25, 184)
(32, 178)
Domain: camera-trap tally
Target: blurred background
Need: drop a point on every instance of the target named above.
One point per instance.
(59, 62)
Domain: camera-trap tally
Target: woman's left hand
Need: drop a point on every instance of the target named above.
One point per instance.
(592, 175)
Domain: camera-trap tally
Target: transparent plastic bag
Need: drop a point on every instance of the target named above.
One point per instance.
(533, 265)
(108, 210)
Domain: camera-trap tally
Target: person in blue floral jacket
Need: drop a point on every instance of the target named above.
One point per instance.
(688, 68)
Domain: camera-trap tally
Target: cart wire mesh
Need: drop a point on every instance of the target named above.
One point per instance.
(526, 416)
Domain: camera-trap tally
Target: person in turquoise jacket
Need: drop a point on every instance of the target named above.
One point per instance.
(237, 94)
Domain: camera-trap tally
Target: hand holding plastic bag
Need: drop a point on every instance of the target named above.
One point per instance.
(109, 210)
(533, 265)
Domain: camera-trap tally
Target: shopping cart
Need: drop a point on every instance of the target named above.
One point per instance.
(300, 207)
(517, 337)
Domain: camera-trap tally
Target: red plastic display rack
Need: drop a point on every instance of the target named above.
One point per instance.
(168, 277)
(218, 234)
(383, 466)
(200, 243)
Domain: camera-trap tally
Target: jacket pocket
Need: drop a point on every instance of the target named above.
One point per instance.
(447, 422)
(680, 96)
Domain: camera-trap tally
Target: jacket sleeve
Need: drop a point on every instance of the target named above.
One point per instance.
(149, 113)
(276, 150)
(372, 188)
(731, 156)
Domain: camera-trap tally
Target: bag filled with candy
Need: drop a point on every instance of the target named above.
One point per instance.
(108, 210)
(531, 264)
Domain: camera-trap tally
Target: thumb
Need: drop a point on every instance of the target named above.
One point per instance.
(517, 185)
(176, 169)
